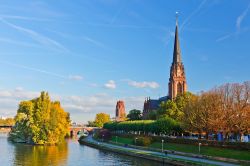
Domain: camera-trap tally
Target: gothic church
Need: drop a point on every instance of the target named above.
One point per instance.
(177, 80)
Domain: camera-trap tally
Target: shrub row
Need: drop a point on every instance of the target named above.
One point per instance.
(164, 125)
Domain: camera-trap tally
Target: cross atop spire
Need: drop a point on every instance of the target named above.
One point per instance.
(177, 49)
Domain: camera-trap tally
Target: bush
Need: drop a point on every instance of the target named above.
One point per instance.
(103, 134)
(143, 141)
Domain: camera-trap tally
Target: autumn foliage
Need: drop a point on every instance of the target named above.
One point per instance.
(40, 121)
(223, 109)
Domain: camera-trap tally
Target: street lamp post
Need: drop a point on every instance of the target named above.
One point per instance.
(116, 139)
(135, 140)
(199, 147)
(162, 141)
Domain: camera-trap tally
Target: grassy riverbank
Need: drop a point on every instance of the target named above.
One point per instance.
(149, 155)
(209, 151)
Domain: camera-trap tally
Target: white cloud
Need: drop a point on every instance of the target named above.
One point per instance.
(75, 77)
(19, 88)
(81, 108)
(110, 84)
(143, 84)
(18, 93)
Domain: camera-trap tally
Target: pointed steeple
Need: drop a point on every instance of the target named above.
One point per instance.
(177, 49)
(177, 80)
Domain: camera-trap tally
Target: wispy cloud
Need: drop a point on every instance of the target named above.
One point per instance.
(16, 17)
(21, 43)
(93, 41)
(130, 26)
(34, 69)
(239, 30)
(76, 77)
(195, 12)
(168, 37)
(44, 40)
(224, 37)
(241, 17)
(86, 38)
(70, 77)
(110, 84)
(143, 84)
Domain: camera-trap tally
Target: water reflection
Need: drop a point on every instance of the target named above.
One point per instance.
(29, 155)
(70, 153)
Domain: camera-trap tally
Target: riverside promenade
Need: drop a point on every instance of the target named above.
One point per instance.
(163, 158)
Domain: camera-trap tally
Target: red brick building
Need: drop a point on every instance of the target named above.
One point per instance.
(120, 113)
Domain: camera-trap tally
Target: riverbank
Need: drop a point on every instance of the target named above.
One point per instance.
(160, 157)
(214, 153)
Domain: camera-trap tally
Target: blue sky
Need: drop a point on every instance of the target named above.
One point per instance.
(90, 53)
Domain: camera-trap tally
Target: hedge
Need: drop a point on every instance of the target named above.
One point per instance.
(164, 125)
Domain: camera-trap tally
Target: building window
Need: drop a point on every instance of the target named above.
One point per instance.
(179, 88)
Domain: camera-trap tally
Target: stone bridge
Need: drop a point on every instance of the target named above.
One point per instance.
(74, 130)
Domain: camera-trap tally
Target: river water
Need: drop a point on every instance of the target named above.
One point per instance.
(70, 153)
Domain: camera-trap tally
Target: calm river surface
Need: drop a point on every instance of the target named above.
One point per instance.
(70, 153)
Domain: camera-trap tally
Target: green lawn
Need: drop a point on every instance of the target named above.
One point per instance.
(210, 151)
(123, 140)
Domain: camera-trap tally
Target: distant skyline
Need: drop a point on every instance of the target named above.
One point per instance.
(89, 54)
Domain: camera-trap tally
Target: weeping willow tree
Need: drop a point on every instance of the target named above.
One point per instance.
(40, 121)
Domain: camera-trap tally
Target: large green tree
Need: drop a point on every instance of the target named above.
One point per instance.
(174, 108)
(134, 115)
(169, 109)
(40, 121)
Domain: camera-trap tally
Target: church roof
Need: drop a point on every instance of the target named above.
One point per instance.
(154, 103)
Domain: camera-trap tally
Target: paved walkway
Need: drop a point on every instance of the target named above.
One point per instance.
(205, 161)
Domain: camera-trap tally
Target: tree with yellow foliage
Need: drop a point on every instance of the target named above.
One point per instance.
(40, 121)
(101, 118)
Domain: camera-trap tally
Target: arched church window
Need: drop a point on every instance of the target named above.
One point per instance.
(179, 88)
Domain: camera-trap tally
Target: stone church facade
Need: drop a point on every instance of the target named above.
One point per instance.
(177, 80)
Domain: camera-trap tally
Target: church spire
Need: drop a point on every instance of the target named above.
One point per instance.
(177, 49)
(177, 80)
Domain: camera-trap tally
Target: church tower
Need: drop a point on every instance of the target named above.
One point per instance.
(120, 114)
(177, 81)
